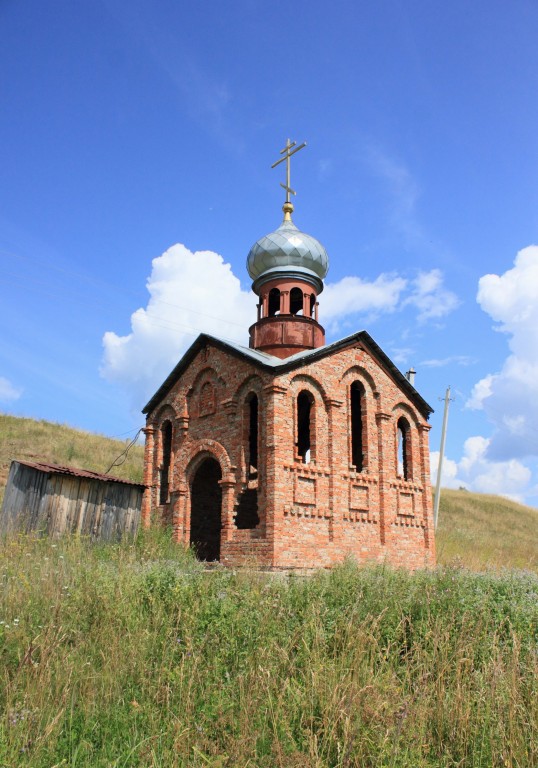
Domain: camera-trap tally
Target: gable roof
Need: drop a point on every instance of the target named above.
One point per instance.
(277, 365)
(57, 469)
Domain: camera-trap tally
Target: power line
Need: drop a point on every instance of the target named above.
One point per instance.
(123, 455)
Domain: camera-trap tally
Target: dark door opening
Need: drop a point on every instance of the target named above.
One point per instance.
(206, 503)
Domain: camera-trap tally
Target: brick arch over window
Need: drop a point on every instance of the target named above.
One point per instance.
(163, 452)
(319, 421)
(403, 409)
(304, 381)
(165, 412)
(358, 426)
(404, 449)
(244, 407)
(252, 383)
(406, 441)
(359, 393)
(357, 372)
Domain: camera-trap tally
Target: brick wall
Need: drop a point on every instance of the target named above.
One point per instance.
(309, 514)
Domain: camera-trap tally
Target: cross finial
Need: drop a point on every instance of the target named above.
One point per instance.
(290, 149)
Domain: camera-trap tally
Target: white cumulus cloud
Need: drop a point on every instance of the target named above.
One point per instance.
(8, 392)
(509, 397)
(189, 293)
(351, 295)
(477, 472)
(430, 297)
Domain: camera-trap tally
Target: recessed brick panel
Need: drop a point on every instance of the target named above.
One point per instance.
(305, 490)
(358, 498)
(406, 504)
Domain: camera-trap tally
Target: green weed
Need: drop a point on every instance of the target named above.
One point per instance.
(133, 655)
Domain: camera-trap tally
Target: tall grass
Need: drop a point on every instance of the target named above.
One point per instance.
(132, 655)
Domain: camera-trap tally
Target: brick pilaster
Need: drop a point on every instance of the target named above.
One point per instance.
(386, 470)
(337, 462)
(277, 430)
(149, 432)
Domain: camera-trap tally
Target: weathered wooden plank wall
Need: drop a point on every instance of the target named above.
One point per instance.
(55, 504)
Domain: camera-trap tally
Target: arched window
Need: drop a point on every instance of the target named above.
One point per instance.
(312, 305)
(305, 427)
(403, 448)
(252, 435)
(246, 508)
(357, 425)
(274, 302)
(166, 442)
(296, 301)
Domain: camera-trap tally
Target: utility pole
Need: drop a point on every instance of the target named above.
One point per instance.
(441, 456)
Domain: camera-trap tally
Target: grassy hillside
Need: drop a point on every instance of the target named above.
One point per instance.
(478, 530)
(486, 531)
(31, 440)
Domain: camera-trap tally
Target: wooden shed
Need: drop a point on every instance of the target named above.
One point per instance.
(55, 500)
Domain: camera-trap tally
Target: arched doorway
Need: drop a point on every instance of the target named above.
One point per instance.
(206, 504)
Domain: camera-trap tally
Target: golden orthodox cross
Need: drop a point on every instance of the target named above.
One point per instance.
(288, 151)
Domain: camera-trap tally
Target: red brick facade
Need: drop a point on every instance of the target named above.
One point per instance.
(291, 463)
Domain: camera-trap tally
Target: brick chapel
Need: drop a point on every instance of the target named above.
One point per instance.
(290, 453)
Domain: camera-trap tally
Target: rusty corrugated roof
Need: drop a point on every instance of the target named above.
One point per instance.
(57, 469)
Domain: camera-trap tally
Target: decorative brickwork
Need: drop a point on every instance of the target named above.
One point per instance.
(283, 503)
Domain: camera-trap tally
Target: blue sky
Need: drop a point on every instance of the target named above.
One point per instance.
(135, 148)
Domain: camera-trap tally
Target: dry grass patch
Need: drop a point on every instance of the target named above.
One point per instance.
(31, 440)
(484, 531)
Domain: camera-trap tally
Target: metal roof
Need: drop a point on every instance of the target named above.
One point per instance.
(278, 365)
(287, 247)
(56, 469)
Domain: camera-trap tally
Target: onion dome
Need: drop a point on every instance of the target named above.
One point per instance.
(287, 250)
